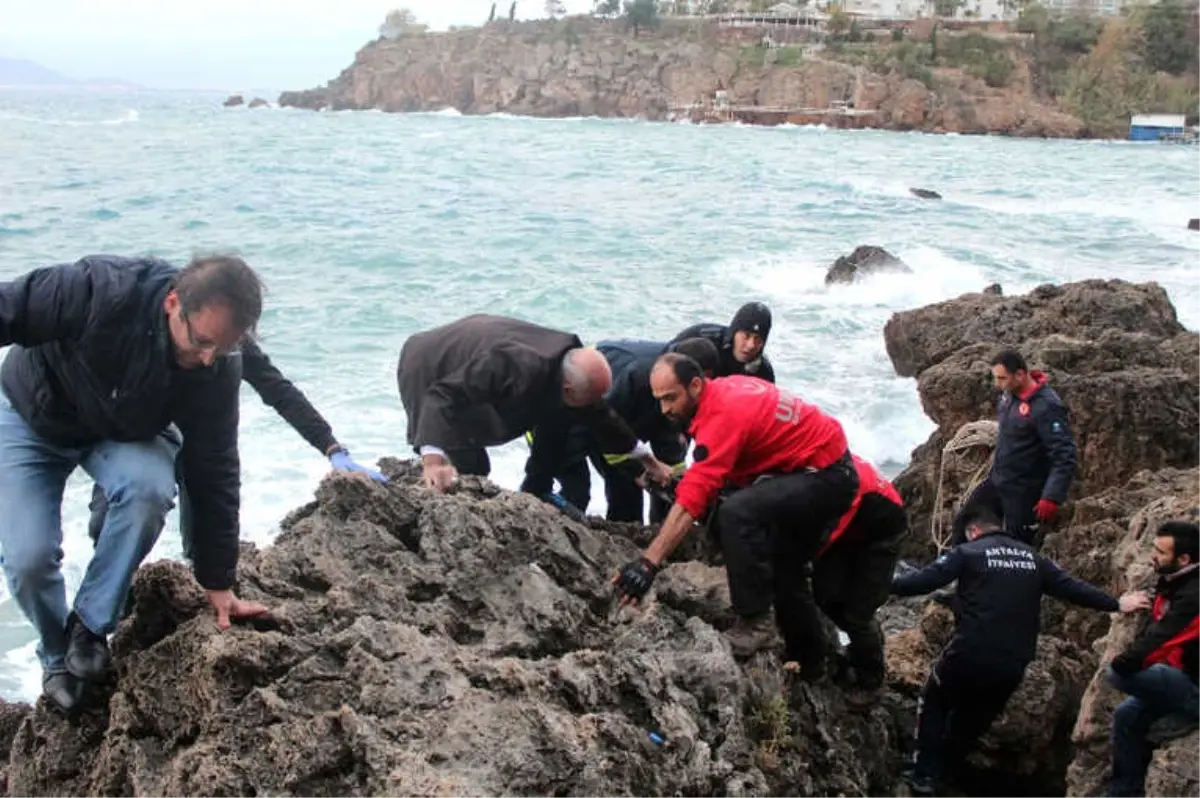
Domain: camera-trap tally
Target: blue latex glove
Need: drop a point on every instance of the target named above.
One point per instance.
(568, 509)
(342, 462)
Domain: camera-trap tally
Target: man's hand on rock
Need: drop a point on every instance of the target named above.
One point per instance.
(437, 473)
(1132, 602)
(634, 580)
(229, 607)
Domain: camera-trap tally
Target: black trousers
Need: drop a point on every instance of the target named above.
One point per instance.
(960, 700)
(1013, 505)
(769, 532)
(854, 577)
(623, 495)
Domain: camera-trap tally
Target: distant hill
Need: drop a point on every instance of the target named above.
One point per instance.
(23, 72)
(20, 72)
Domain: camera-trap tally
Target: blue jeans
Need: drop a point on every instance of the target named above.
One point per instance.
(1155, 692)
(138, 479)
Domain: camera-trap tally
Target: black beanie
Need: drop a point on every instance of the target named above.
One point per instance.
(752, 317)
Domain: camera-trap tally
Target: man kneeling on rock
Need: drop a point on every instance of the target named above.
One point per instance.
(796, 477)
(113, 360)
(853, 575)
(997, 611)
(1158, 671)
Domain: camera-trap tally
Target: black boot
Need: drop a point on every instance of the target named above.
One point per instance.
(87, 652)
(64, 692)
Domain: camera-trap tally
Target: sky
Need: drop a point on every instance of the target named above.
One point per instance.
(234, 45)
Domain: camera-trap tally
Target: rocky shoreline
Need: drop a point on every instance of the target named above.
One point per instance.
(592, 67)
(467, 644)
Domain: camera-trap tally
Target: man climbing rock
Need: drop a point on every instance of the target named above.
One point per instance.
(631, 398)
(852, 576)
(1035, 453)
(278, 392)
(741, 343)
(485, 380)
(118, 366)
(997, 613)
(1158, 671)
(796, 478)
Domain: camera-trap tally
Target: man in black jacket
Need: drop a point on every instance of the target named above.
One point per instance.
(485, 380)
(279, 392)
(113, 360)
(740, 344)
(997, 613)
(1158, 671)
(1035, 452)
(631, 361)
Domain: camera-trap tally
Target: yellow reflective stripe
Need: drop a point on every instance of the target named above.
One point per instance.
(529, 437)
(615, 459)
(678, 468)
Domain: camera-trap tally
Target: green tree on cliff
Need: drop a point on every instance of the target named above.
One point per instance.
(400, 22)
(641, 14)
(606, 8)
(1166, 45)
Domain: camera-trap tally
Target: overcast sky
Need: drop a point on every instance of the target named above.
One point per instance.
(218, 44)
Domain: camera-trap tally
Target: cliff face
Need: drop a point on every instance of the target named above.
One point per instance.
(590, 67)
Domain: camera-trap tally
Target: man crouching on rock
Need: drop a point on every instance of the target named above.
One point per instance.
(113, 360)
(746, 429)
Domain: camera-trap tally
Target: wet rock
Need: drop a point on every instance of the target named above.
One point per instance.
(925, 193)
(864, 261)
(259, 102)
(463, 644)
(234, 100)
(1194, 224)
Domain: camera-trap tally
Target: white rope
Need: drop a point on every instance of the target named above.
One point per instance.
(968, 436)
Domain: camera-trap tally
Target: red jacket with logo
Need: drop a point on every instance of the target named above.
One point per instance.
(869, 481)
(1173, 636)
(745, 427)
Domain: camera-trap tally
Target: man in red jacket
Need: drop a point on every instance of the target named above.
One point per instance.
(744, 429)
(1158, 671)
(852, 576)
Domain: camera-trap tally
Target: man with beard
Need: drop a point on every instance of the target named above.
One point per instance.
(741, 343)
(796, 477)
(1158, 670)
(1035, 453)
(630, 397)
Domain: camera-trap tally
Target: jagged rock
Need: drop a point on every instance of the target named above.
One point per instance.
(259, 102)
(1085, 310)
(1129, 385)
(1194, 224)
(864, 261)
(463, 644)
(994, 290)
(925, 193)
(1118, 555)
(1175, 769)
(234, 100)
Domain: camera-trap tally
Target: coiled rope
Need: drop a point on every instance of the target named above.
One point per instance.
(968, 436)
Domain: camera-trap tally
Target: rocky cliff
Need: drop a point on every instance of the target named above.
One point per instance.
(468, 644)
(1127, 371)
(591, 67)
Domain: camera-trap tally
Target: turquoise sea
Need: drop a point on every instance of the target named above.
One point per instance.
(370, 226)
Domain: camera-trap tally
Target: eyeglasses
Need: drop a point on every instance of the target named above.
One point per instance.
(206, 346)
